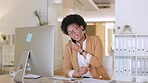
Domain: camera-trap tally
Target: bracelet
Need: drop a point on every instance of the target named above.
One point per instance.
(82, 52)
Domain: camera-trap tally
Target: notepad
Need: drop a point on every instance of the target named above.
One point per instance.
(32, 76)
(89, 80)
(64, 78)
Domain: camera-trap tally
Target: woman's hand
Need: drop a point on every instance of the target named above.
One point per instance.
(77, 47)
(81, 71)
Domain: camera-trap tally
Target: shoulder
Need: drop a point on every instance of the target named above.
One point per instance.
(68, 45)
(93, 38)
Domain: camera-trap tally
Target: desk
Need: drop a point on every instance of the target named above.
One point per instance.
(7, 79)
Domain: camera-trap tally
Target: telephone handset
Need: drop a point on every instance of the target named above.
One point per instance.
(73, 40)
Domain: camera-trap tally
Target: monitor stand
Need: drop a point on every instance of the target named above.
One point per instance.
(19, 75)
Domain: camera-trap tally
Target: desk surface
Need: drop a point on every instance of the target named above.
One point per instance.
(7, 79)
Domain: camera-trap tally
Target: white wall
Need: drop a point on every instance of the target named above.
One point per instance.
(133, 13)
(19, 13)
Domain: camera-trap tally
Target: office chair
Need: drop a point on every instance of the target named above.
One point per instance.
(108, 64)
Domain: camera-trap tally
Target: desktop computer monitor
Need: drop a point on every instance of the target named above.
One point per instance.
(40, 40)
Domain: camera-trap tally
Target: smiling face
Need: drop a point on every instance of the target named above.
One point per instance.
(75, 32)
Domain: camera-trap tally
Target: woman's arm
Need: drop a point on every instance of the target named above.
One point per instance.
(67, 65)
(96, 59)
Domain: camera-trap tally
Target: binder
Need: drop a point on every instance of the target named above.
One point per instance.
(133, 46)
(142, 65)
(116, 67)
(120, 46)
(129, 46)
(138, 67)
(146, 46)
(146, 66)
(124, 67)
(129, 67)
(133, 67)
(125, 53)
(121, 67)
(138, 46)
(116, 51)
(142, 46)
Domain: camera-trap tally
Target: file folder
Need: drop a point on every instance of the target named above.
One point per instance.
(116, 66)
(133, 67)
(142, 66)
(138, 67)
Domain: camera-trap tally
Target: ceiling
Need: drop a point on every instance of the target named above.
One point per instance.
(91, 10)
(103, 4)
(89, 4)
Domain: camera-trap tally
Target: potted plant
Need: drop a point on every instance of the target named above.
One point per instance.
(127, 29)
(37, 13)
(4, 37)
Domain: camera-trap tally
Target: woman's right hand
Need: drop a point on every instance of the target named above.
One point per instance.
(77, 47)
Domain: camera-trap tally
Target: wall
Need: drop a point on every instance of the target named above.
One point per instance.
(133, 13)
(18, 13)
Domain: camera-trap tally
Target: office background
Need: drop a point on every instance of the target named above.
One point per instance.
(19, 13)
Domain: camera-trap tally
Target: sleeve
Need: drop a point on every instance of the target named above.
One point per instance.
(67, 65)
(88, 57)
(96, 60)
(70, 74)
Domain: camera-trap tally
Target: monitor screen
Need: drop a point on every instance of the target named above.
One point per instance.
(40, 40)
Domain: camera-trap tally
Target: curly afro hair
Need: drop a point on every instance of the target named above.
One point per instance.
(70, 19)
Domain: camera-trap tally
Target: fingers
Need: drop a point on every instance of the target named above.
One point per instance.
(83, 70)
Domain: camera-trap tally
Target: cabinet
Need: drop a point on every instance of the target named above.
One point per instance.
(131, 57)
(7, 50)
(8, 55)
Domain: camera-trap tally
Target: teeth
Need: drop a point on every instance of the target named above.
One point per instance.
(76, 37)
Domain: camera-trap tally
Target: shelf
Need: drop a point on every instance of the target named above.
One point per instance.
(131, 57)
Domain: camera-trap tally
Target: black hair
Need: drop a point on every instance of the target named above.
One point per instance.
(70, 19)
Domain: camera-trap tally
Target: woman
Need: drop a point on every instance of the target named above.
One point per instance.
(82, 56)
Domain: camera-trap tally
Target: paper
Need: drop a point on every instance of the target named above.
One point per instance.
(63, 78)
(31, 76)
(89, 80)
